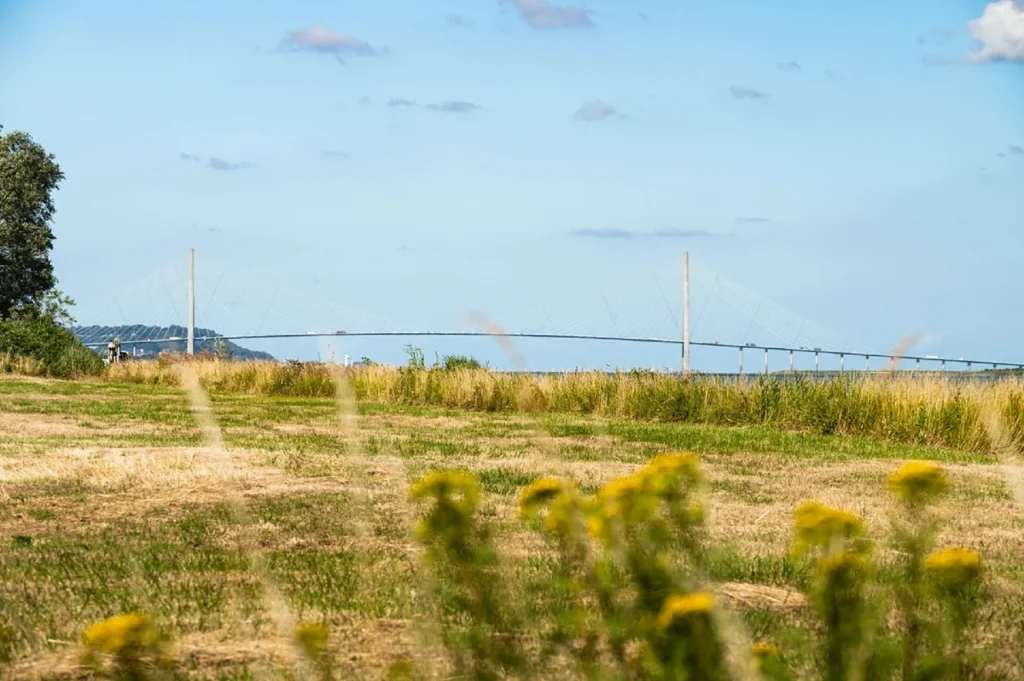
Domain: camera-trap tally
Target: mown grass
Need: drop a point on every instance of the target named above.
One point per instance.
(143, 519)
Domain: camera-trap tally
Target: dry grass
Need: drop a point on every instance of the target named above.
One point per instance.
(929, 410)
(20, 365)
(318, 495)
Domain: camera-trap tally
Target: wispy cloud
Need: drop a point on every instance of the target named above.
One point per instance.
(740, 92)
(455, 107)
(595, 111)
(459, 20)
(322, 40)
(398, 101)
(790, 66)
(832, 75)
(214, 163)
(603, 233)
(221, 164)
(331, 153)
(999, 32)
(210, 229)
(753, 220)
(544, 14)
(616, 233)
(680, 233)
(1018, 150)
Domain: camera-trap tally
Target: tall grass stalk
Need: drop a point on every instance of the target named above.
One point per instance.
(20, 365)
(920, 410)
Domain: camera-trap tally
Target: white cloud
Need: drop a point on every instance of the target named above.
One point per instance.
(595, 111)
(740, 92)
(455, 107)
(543, 14)
(1000, 32)
(325, 41)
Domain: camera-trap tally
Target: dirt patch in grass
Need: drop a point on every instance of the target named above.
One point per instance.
(762, 596)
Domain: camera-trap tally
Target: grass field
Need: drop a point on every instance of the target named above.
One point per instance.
(111, 500)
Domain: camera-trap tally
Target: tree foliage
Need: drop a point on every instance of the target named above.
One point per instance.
(33, 314)
(28, 179)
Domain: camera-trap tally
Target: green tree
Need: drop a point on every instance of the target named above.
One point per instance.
(28, 178)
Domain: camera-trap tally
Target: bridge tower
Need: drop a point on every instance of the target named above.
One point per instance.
(686, 312)
(191, 348)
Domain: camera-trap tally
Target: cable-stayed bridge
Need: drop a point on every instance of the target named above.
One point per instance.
(642, 310)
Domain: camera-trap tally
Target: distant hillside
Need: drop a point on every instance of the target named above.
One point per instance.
(138, 332)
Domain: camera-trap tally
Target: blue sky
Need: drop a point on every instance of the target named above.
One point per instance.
(859, 163)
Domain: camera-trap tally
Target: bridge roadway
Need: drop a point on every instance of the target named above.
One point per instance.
(868, 356)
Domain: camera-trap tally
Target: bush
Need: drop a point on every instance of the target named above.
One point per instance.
(453, 362)
(41, 338)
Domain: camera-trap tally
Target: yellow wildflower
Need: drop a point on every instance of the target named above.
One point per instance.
(817, 524)
(677, 465)
(118, 634)
(622, 488)
(617, 495)
(763, 650)
(918, 481)
(680, 607)
(312, 638)
(849, 563)
(597, 523)
(447, 485)
(538, 493)
(562, 514)
(954, 568)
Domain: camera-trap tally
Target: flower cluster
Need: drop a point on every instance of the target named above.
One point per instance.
(634, 499)
(918, 482)
(817, 526)
(457, 487)
(954, 569)
(679, 608)
(112, 636)
(131, 640)
(448, 527)
(537, 494)
(564, 506)
(312, 639)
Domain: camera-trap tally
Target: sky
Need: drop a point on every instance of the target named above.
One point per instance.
(858, 164)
